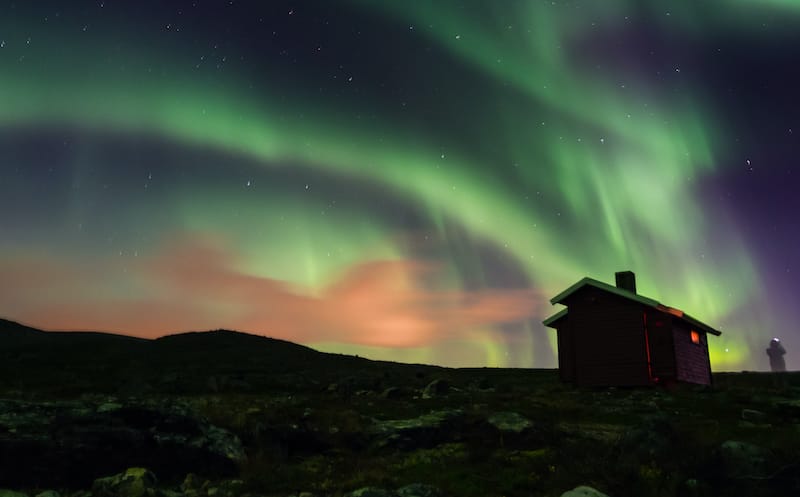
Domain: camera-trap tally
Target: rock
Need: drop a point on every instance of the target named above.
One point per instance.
(108, 407)
(424, 431)
(223, 442)
(747, 425)
(654, 439)
(789, 409)
(371, 492)
(349, 385)
(436, 388)
(229, 488)
(418, 490)
(583, 491)
(11, 493)
(743, 459)
(392, 393)
(48, 493)
(509, 422)
(134, 482)
(191, 482)
(753, 415)
(481, 385)
(692, 488)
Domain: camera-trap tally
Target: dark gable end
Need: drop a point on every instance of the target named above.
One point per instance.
(610, 335)
(609, 341)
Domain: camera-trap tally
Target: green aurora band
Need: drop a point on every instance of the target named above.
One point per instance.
(605, 174)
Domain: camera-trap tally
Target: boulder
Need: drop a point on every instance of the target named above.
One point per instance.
(371, 492)
(418, 490)
(222, 442)
(481, 385)
(754, 416)
(693, 487)
(423, 431)
(436, 388)
(227, 488)
(583, 491)
(392, 393)
(654, 439)
(349, 385)
(48, 493)
(509, 422)
(743, 459)
(11, 493)
(134, 482)
(109, 406)
(191, 482)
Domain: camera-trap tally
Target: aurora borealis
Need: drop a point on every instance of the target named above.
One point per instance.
(408, 181)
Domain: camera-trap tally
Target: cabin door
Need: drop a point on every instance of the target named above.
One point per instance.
(662, 352)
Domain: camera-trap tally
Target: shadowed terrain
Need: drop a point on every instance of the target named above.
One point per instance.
(222, 413)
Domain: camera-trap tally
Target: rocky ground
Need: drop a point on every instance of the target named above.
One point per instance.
(227, 428)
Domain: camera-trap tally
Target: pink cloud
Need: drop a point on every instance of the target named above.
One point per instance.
(193, 284)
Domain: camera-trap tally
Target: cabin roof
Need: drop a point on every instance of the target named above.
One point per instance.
(555, 317)
(559, 299)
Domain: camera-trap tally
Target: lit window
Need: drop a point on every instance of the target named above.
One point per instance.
(695, 337)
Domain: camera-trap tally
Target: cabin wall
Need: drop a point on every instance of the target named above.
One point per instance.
(691, 359)
(566, 351)
(608, 335)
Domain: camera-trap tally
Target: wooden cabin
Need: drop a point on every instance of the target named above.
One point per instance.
(612, 336)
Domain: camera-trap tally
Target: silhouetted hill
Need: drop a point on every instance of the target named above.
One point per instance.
(71, 363)
(212, 345)
(14, 334)
(7, 326)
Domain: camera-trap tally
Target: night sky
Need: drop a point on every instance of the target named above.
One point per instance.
(403, 180)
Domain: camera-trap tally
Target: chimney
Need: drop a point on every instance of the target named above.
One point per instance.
(626, 280)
